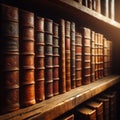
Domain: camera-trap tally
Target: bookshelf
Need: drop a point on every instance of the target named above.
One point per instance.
(71, 9)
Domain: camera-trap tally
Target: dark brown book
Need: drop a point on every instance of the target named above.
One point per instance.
(105, 7)
(105, 101)
(62, 57)
(86, 55)
(48, 58)
(9, 63)
(39, 59)
(112, 9)
(98, 6)
(94, 4)
(27, 81)
(67, 55)
(98, 106)
(90, 4)
(56, 55)
(85, 113)
(92, 56)
(78, 59)
(85, 3)
(72, 33)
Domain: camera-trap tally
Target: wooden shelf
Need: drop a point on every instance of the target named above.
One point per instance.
(53, 107)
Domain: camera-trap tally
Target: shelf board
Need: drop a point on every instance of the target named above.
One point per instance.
(53, 107)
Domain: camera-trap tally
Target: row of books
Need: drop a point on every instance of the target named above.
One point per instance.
(101, 107)
(41, 58)
(105, 7)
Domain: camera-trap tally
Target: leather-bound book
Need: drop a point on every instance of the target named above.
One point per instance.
(86, 55)
(98, 6)
(72, 33)
(56, 59)
(98, 106)
(105, 7)
(112, 9)
(105, 101)
(39, 59)
(78, 59)
(68, 55)
(90, 4)
(62, 57)
(27, 82)
(48, 27)
(85, 113)
(92, 56)
(9, 61)
(85, 3)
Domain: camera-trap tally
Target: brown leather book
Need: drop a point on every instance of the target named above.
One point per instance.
(112, 9)
(86, 55)
(78, 59)
(98, 6)
(85, 3)
(98, 106)
(105, 7)
(90, 4)
(56, 56)
(72, 33)
(62, 58)
(27, 81)
(48, 58)
(85, 113)
(105, 101)
(9, 63)
(39, 59)
(67, 54)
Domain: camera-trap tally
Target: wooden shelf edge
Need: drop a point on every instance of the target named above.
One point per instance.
(53, 107)
(78, 9)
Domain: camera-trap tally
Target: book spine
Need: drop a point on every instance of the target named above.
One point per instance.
(92, 56)
(90, 4)
(27, 83)
(98, 6)
(62, 57)
(56, 59)
(48, 58)
(78, 59)
(39, 59)
(85, 3)
(112, 9)
(67, 54)
(86, 74)
(9, 63)
(73, 80)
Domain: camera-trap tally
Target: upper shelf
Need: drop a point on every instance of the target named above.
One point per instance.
(53, 107)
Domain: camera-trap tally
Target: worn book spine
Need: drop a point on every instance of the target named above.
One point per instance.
(78, 59)
(9, 63)
(48, 58)
(56, 56)
(72, 33)
(105, 7)
(112, 9)
(86, 52)
(62, 57)
(85, 113)
(92, 56)
(67, 54)
(27, 82)
(90, 4)
(98, 6)
(39, 59)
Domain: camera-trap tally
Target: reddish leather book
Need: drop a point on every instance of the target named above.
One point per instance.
(85, 113)
(39, 59)
(67, 54)
(48, 27)
(27, 81)
(9, 63)
(98, 106)
(62, 58)
(78, 59)
(72, 33)
(86, 71)
(56, 55)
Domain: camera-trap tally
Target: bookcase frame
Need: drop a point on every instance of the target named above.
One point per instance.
(57, 105)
